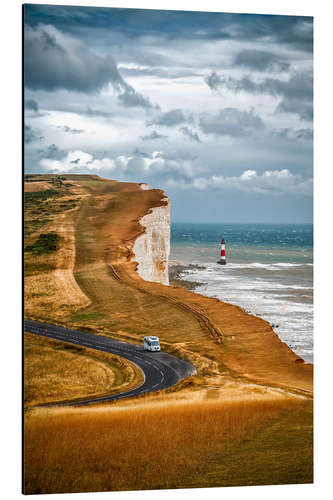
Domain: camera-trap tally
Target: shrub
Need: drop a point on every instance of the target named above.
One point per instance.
(37, 196)
(46, 243)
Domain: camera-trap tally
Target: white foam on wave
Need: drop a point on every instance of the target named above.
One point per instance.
(256, 265)
(274, 297)
(288, 264)
(298, 287)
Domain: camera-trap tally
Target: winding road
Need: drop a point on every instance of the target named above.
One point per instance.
(160, 370)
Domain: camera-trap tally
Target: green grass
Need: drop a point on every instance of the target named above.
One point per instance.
(87, 316)
(38, 196)
(46, 243)
(34, 225)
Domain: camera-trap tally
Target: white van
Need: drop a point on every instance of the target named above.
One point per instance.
(151, 344)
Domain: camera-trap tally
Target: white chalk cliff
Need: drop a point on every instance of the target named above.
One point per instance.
(152, 248)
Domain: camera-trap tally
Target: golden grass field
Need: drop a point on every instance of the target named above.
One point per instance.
(57, 372)
(169, 444)
(250, 383)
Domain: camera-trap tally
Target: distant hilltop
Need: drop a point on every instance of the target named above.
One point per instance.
(150, 244)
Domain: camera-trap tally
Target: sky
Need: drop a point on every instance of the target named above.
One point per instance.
(216, 109)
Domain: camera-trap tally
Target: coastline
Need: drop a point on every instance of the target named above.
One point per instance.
(176, 269)
(225, 342)
(185, 274)
(250, 347)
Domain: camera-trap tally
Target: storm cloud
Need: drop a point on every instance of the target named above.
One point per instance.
(52, 152)
(31, 135)
(130, 98)
(31, 104)
(220, 102)
(296, 92)
(170, 118)
(153, 136)
(190, 134)
(55, 60)
(259, 60)
(291, 31)
(230, 121)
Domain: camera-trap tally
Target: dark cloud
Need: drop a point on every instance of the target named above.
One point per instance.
(216, 82)
(133, 23)
(114, 24)
(139, 153)
(52, 152)
(230, 121)
(299, 85)
(213, 80)
(31, 104)
(31, 135)
(170, 118)
(259, 60)
(96, 112)
(70, 130)
(293, 31)
(153, 136)
(54, 60)
(296, 92)
(304, 134)
(296, 106)
(193, 136)
(131, 99)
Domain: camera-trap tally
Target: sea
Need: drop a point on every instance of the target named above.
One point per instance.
(269, 272)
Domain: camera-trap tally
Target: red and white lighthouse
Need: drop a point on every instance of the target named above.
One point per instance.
(222, 257)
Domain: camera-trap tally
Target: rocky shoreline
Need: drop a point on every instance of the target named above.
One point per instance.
(176, 270)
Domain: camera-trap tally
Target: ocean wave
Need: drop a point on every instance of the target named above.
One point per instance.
(291, 264)
(214, 268)
(280, 298)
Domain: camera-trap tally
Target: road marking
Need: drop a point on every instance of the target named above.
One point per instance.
(131, 352)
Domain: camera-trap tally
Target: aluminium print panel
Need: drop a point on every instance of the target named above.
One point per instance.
(168, 249)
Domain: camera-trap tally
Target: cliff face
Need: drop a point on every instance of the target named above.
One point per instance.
(152, 248)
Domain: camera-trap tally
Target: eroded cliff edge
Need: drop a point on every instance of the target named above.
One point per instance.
(152, 248)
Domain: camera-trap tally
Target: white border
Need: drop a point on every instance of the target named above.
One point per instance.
(11, 246)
